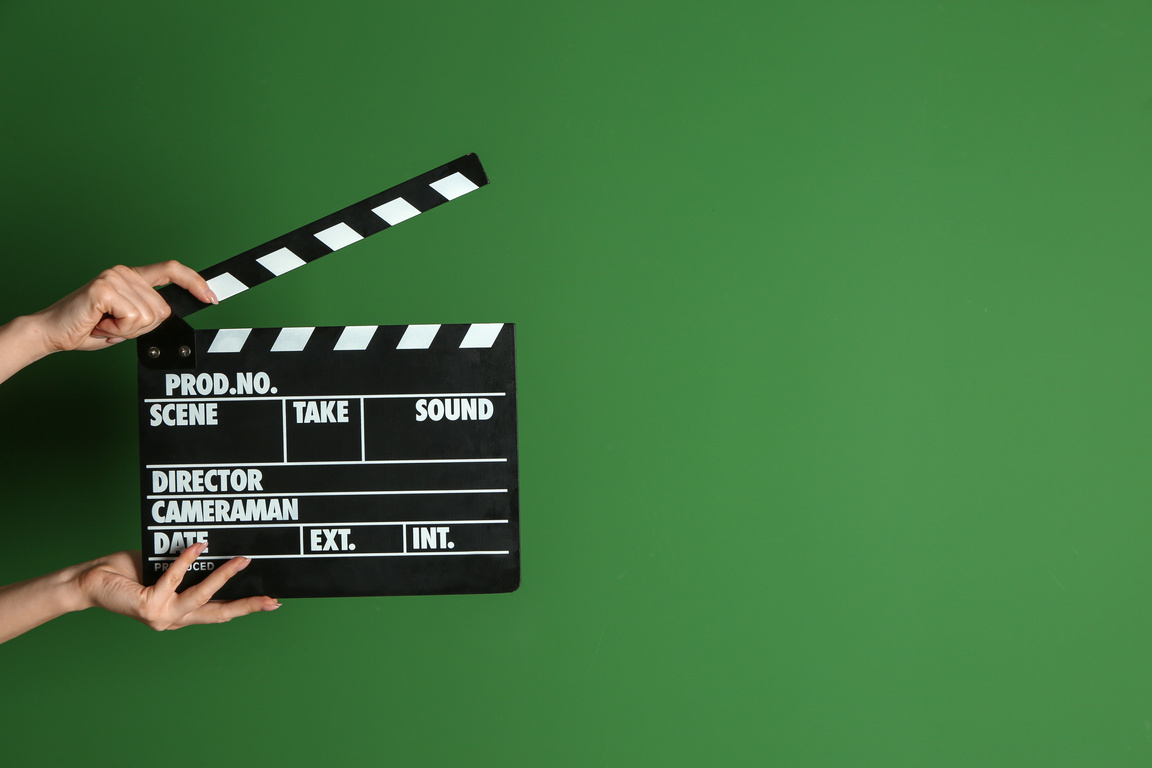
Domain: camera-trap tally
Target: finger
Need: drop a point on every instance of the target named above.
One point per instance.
(138, 313)
(99, 342)
(125, 305)
(201, 593)
(218, 613)
(129, 317)
(114, 295)
(175, 574)
(153, 310)
(174, 272)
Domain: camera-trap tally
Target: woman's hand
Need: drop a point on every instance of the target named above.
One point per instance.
(121, 303)
(114, 583)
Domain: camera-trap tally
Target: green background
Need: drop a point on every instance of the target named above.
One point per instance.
(833, 374)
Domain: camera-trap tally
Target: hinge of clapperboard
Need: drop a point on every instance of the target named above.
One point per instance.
(172, 345)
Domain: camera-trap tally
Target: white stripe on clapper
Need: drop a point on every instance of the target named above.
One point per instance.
(229, 339)
(481, 335)
(338, 236)
(281, 261)
(396, 211)
(292, 339)
(418, 337)
(355, 337)
(454, 186)
(226, 286)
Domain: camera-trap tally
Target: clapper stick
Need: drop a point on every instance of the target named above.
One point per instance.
(306, 244)
(333, 232)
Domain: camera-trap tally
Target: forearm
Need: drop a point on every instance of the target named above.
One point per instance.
(22, 342)
(29, 604)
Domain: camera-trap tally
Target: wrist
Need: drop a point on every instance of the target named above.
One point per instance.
(25, 339)
(30, 603)
(30, 333)
(22, 342)
(75, 588)
(64, 591)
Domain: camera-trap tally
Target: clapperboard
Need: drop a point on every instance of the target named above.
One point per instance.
(358, 460)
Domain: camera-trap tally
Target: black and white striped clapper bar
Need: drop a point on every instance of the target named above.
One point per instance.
(350, 460)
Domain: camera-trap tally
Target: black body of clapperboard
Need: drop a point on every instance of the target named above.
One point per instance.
(360, 460)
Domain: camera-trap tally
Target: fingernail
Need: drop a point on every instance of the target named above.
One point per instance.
(116, 340)
(211, 296)
(243, 564)
(271, 607)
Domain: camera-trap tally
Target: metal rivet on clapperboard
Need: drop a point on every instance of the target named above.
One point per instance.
(184, 351)
(153, 352)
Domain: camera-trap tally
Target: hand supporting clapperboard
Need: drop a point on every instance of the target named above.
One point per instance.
(384, 459)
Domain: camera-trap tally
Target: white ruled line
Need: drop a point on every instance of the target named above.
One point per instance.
(302, 526)
(256, 398)
(449, 553)
(291, 494)
(350, 462)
